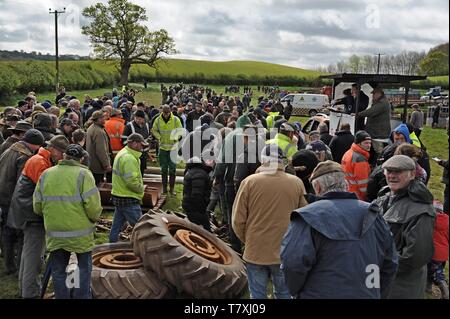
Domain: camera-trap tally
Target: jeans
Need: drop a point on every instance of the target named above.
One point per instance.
(258, 277)
(131, 214)
(81, 284)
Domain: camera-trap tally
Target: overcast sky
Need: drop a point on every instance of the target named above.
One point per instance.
(301, 33)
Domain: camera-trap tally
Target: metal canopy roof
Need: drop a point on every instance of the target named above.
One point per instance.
(380, 78)
(374, 80)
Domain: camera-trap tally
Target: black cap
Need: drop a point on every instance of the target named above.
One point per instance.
(139, 113)
(361, 136)
(33, 137)
(75, 150)
(67, 121)
(21, 103)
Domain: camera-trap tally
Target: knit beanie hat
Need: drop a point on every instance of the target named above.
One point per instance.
(33, 137)
(361, 136)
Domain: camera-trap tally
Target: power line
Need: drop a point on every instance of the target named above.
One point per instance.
(56, 12)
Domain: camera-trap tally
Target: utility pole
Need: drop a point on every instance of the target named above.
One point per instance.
(56, 12)
(378, 64)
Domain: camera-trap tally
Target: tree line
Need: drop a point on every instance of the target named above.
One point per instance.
(433, 63)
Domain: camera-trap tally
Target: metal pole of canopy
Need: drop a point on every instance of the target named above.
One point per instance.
(405, 107)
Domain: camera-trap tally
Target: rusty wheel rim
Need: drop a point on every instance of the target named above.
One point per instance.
(200, 245)
(116, 259)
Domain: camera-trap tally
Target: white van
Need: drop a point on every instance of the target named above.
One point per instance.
(304, 104)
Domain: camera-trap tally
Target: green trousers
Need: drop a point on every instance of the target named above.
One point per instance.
(167, 166)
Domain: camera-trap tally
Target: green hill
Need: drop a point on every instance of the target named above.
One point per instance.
(25, 76)
(232, 68)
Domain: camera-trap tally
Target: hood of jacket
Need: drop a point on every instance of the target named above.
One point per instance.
(403, 129)
(339, 215)
(418, 192)
(360, 150)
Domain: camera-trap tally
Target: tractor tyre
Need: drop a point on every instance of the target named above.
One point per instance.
(118, 274)
(187, 256)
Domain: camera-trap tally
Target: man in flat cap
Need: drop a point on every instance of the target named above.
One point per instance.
(407, 206)
(98, 147)
(338, 246)
(260, 217)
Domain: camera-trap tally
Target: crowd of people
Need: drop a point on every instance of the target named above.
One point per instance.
(316, 214)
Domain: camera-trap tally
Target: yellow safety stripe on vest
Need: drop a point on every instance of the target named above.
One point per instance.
(67, 198)
(118, 173)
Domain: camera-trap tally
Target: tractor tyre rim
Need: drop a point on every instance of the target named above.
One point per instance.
(117, 259)
(201, 246)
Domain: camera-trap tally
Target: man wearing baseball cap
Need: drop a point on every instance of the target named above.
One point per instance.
(407, 206)
(330, 243)
(127, 185)
(22, 217)
(284, 140)
(355, 164)
(70, 210)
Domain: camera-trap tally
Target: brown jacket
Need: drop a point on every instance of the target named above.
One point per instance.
(97, 145)
(261, 213)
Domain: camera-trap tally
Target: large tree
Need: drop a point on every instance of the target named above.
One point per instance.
(117, 32)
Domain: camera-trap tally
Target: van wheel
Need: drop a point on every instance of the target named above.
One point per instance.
(312, 113)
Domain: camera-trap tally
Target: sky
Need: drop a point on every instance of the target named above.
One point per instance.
(299, 33)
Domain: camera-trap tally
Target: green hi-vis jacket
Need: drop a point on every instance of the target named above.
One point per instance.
(126, 178)
(69, 201)
(270, 119)
(285, 143)
(168, 133)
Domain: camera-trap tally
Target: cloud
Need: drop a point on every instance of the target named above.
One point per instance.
(302, 33)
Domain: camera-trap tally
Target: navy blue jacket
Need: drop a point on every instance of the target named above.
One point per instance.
(329, 246)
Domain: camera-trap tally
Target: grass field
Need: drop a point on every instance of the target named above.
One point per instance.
(151, 95)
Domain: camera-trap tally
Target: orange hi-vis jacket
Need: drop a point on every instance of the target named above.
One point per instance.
(115, 127)
(355, 164)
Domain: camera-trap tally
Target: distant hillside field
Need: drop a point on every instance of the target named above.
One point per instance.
(20, 77)
(25, 76)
